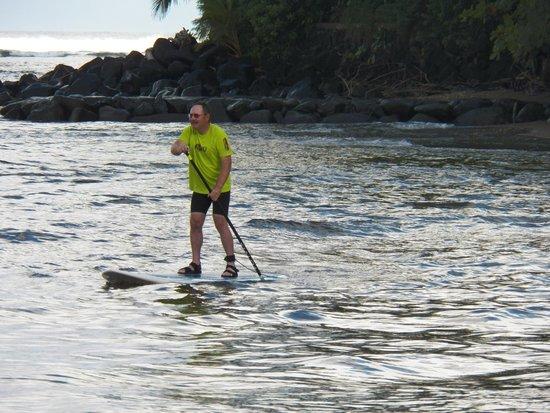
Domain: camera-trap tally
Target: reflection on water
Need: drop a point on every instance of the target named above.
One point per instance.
(416, 278)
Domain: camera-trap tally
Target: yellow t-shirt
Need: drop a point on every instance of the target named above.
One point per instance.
(207, 151)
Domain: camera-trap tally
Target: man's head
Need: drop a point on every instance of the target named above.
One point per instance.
(199, 117)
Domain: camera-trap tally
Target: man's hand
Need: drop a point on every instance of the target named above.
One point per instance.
(178, 147)
(215, 194)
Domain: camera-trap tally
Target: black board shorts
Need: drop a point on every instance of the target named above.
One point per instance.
(201, 203)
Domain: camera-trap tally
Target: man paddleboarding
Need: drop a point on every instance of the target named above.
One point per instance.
(208, 146)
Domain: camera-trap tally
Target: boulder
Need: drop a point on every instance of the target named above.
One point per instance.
(257, 116)
(131, 103)
(178, 104)
(160, 85)
(165, 52)
(368, 106)
(192, 91)
(349, 118)
(492, 115)
(111, 71)
(176, 69)
(389, 118)
(93, 66)
(531, 112)
(47, 113)
(273, 104)
(218, 113)
(151, 70)
(83, 115)
(160, 105)
(462, 106)
(184, 40)
(238, 109)
(5, 97)
(210, 56)
(402, 108)
(144, 109)
(308, 106)
(333, 105)
(437, 110)
(61, 73)
(12, 111)
(37, 89)
(260, 87)
(2, 87)
(422, 117)
(70, 103)
(132, 61)
(27, 79)
(85, 84)
(131, 83)
(111, 114)
(293, 116)
(303, 89)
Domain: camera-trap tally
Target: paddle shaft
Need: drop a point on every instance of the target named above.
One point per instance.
(203, 179)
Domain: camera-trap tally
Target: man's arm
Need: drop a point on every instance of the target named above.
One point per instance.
(222, 177)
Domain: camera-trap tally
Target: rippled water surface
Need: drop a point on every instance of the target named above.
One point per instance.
(416, 279)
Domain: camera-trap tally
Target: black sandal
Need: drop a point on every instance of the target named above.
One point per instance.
(191, 269)
(230, 270)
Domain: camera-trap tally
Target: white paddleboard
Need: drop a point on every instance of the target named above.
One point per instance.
(118, 278)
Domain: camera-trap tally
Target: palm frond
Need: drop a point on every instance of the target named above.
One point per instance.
(160, 7)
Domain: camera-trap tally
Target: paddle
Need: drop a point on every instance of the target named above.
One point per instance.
(201, 176)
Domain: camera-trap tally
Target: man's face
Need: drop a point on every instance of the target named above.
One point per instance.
(197, 118)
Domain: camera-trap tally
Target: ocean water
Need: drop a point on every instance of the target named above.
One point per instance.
(415, 279)
(40, 52)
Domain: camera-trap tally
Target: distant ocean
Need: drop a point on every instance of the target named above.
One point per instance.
(40, 52)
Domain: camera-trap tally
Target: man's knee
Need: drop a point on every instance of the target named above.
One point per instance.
(196, 221)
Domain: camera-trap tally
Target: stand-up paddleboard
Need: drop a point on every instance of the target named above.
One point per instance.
(118, 278)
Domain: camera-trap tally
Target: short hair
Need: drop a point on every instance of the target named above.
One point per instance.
(205, 108)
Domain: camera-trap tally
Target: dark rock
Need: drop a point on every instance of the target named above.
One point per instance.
(493, 115)
(260, 87)
(131, 83)
(179, 104)
(2, 87)
(258, 116)
(35, 103)
(151, 70)
(308, 106)
(368, 106)
(210, 56)
(422, 117)
(111, 114)
(238, 109)
(96, 102)
(333, 105)
(273, 104)
(144, 109)
(131, 103)
(132, 61)
(165, 52)
(5, 97)
(236, 73)
(105, 91)
(349, 118)
(161, 84)
(217, 110)
(85, 84)
(93, 66)
(256, 105)
(49, 113)
(437, 110)
(12, 87)
(83, 115)
(176, 69)
(111, 71)
(192, 91)
(462, 106)
(303, 90)
(293, 116)
(61, 73)
(12, 111)
(27, 79)
(160, 105)
(531, 112)
(37, 89)
(402, 108)
(70, 103)
(160, 118)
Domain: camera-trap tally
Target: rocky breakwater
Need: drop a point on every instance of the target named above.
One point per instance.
(161, 85)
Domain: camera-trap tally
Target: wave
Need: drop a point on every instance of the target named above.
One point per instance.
(62, 44)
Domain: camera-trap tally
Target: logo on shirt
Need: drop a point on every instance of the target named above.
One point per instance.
(226, 144)
(200, 148)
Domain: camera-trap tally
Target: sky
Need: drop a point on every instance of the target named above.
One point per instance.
(132, 16)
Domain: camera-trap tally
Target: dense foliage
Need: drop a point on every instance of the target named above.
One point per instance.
(366, 42)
